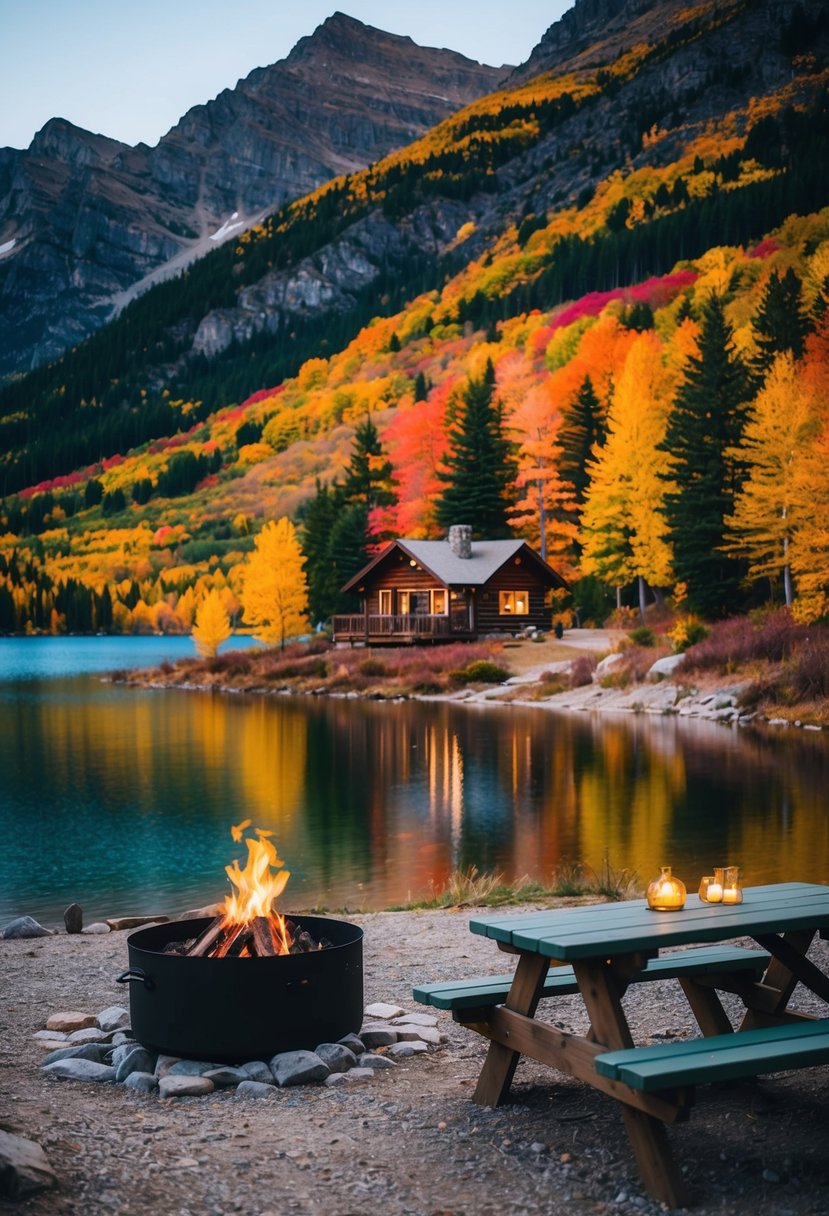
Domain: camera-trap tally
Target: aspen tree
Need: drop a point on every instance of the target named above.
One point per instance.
(212, 625)
(274, 588)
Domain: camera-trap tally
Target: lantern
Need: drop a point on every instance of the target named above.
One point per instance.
(666, 893)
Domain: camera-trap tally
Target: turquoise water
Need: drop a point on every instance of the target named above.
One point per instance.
(122, 799)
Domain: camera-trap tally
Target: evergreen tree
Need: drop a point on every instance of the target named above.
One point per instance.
(583, 430)
(706, 423)
(782, 322)
(479, 470)
(317, 519)
(369, 478)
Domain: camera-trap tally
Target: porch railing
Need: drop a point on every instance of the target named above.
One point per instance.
(391, 625)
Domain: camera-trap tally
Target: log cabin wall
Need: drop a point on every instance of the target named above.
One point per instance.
(514, 578)
(396, 574)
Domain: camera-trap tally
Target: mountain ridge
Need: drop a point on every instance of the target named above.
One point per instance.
(84, 218)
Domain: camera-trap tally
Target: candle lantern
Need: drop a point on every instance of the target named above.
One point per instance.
(704, 884)
(666, 893)
(715, 886)
(732, 892)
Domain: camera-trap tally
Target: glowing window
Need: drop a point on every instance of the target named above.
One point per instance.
(385, 603)
(438, 601)
(513, 603)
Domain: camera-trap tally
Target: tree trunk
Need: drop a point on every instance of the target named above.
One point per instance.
(643, 599)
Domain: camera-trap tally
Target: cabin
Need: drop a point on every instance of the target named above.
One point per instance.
(448, 591)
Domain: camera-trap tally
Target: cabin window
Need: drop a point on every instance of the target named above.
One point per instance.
(513, 603)
(438, 605)
(384, 607)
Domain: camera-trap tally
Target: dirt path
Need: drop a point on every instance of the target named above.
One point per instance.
(410, 1143)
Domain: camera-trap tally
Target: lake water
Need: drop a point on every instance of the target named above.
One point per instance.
(121, 799)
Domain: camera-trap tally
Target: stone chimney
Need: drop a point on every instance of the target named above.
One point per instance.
(460, 540)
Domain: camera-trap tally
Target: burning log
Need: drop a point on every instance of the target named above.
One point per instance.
(261, 937)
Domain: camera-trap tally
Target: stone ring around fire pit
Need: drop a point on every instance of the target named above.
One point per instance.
(232, 1008)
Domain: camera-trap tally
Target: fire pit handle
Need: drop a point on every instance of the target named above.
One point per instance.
(135, 974)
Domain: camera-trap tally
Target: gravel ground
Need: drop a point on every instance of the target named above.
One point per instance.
(410, 1143)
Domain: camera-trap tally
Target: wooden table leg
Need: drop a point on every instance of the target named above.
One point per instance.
(500, 1064)
(647, 1135)
(779, 982)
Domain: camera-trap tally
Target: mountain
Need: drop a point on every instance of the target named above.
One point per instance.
(540, 237)
(86, 221)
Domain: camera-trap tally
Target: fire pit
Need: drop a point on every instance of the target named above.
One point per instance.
(250, 983)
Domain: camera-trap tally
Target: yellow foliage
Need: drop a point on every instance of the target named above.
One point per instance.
(212, 625)
(274, 593)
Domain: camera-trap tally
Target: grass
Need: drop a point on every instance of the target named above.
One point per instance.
(471, 888)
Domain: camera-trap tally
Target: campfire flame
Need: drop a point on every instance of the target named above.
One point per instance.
(256, 887)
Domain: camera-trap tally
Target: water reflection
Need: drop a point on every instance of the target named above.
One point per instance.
(122, 799)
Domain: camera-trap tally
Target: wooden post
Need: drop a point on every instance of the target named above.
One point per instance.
(500, 1064)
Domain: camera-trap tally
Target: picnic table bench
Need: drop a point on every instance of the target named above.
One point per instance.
(598, 951)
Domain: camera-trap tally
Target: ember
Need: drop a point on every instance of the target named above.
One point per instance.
(248, 926)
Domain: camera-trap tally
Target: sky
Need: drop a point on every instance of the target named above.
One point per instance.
(131, 68)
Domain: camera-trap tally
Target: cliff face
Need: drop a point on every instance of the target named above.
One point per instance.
(84, 220)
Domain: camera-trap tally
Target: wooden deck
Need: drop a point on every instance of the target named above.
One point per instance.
(392, 629)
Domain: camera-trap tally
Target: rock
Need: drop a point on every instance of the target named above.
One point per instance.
(115, 1017)
(90, 1035)
(416, 1019)
(24, 1167)
(257, 1070)
(136, 1060)
(73, 918)
(256, 1089)
(298, 1068)
(401, 1051)
(53, 1044)
(665, 666)
(353, 1076)
(383, 1012)
(208, 913)
(70, 1021)
(123, 1036)
(422, 1034)
(80, 1070)
(605, 666)
(354, 1043)
(132, 922)
(226, 1075)
(98, 927)
(86, 1051)
(25, 926)
(184, 1087)
(337, 1056)
(378, 1036)
(164, 1064)
(375, 1063)
(192, 1068)
(143, 1082)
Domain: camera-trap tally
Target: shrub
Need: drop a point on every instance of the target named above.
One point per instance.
(810, 667)
(772, 636)
(482, 671)
(373, 667)
(687, 632)
(643, 636)
(581, 670)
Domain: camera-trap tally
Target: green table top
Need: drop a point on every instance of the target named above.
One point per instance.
(624, 928)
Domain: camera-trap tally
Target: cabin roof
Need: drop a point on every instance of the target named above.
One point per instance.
(437, 557)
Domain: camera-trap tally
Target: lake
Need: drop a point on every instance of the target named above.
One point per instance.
(122, 799)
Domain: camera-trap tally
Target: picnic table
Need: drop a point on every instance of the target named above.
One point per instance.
(598, 950)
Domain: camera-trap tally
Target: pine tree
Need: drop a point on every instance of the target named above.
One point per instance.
(212, 625)
(274, 589)
(369, 478)
(706, 425)
(583, 430)
(479, 470)
(318, 519)
(782, 322)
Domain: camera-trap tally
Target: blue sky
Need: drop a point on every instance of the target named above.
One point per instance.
(131, 68)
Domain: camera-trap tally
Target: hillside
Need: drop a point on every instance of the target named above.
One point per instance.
(569, 230)
(86, 221)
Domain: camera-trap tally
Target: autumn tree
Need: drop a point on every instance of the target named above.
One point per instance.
(623, 530)
(479, 471)
(274, 588)
(545, 503)
(779, 495)
(703, 431)
(212, 625)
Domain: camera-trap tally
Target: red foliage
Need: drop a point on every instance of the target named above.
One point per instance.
(261, 395)
(765, 248)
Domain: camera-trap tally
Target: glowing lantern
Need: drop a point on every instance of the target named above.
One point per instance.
(666, 893)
